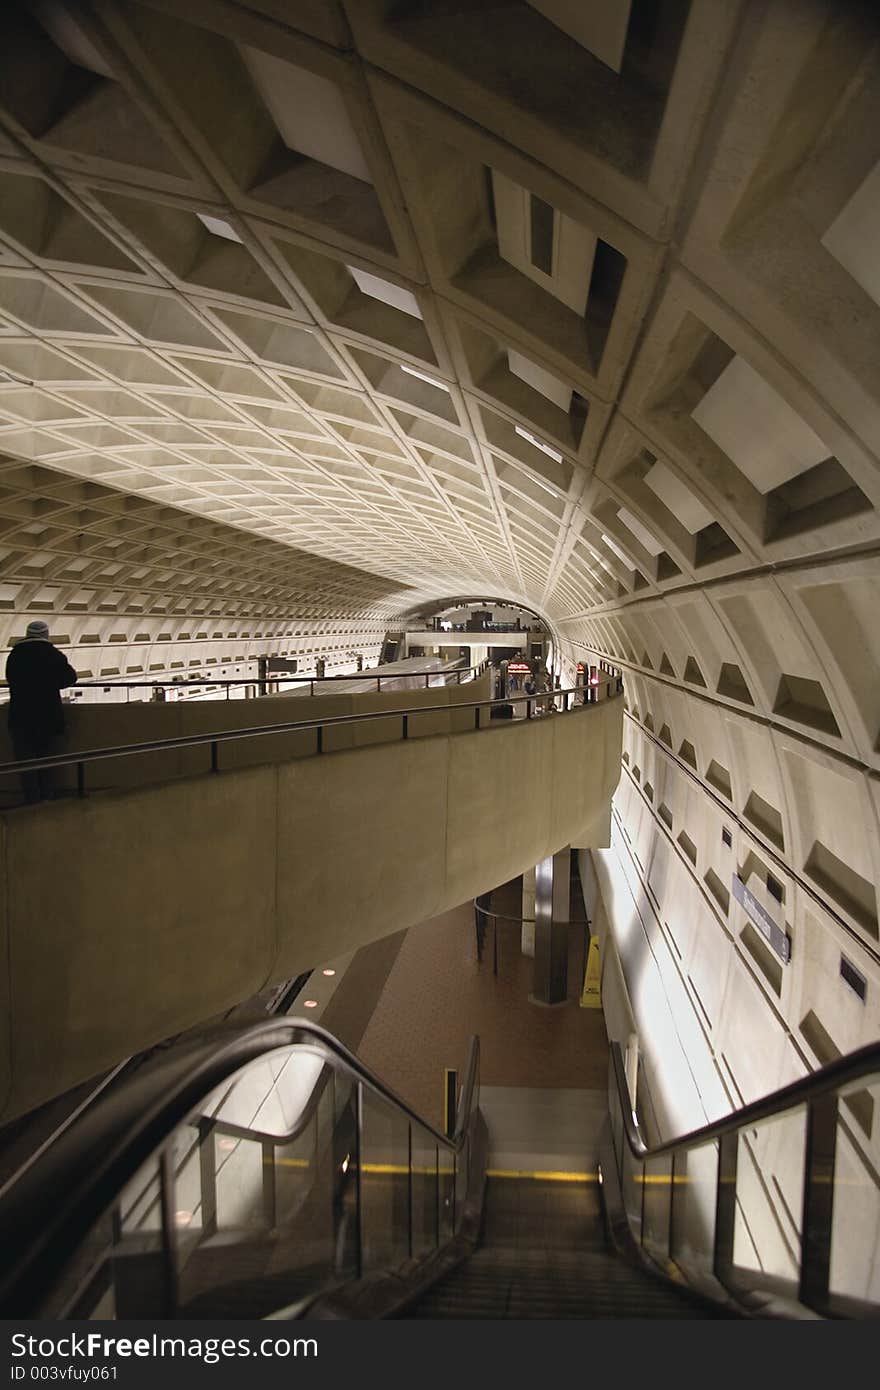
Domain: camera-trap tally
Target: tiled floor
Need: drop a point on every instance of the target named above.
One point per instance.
(437, 995)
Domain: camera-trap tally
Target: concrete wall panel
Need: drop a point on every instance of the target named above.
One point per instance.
(211, 887)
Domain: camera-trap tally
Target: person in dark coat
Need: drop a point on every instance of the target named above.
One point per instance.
(36, 673)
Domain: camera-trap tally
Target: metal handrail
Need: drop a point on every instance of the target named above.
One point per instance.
(347, 1061)
(819, 1095)
(187, 683)
(822, 1082)
(505, 917)
(527, 921)
(93, 1161)
(86, 756)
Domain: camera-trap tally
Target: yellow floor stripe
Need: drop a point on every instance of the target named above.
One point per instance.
(522, 1174)
(541, 1175)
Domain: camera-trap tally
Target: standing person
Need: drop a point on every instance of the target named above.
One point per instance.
(36, 672)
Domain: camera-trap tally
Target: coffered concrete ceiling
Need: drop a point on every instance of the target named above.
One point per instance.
(462, 297)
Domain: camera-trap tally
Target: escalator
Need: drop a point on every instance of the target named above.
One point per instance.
(261, 1171)
(544, 1253)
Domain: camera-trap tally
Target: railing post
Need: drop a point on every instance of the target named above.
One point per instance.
(169, 1233)
(528, 709)
(405, 722)
(450, 1088)
(320, 733)
(669, 1245)
(80, 779)
(439, 1190)
(477, 717)
(410, 1189)
(818, 1208)
(208, 1177)
(270, 1196)
(725, 1206)
(359, 1143)
(215, 766)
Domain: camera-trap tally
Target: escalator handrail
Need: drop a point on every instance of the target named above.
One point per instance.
(94, 1159)
(825, 1080)
(347, 1061)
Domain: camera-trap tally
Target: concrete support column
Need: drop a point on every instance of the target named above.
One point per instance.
(528, 910)
(551, 929)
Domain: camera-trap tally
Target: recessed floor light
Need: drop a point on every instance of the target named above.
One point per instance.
(328, 972)
(310, 1003)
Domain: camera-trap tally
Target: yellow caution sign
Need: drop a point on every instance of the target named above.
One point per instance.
(592, 997)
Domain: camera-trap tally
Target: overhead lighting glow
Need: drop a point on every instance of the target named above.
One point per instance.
(545, 448)
(621, 555)
(422, 376)
(218, 227)
(554, 492)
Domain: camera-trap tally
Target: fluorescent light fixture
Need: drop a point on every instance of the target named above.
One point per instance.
(756, 428)
(540, 380)
(218, 227)
(310, 112)
(422, 376)
(641, 533)
(386, 292)
(545, 448)
(621, 555)
(685, 506)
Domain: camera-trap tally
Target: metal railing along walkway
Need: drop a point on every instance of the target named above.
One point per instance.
(459, 676)
(561, 701)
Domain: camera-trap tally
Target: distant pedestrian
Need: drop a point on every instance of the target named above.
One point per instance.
(36, 673)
